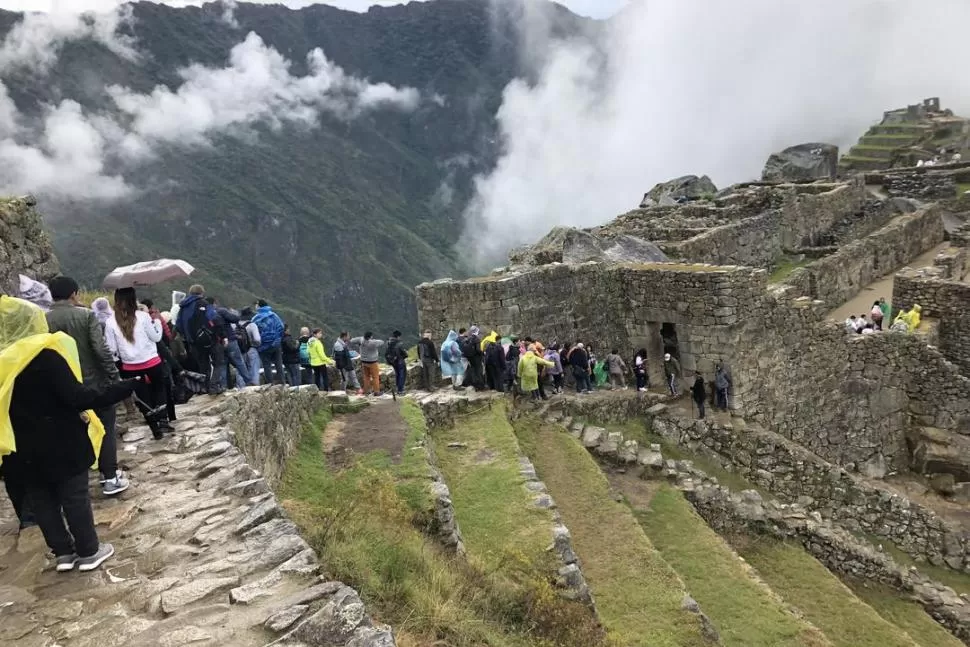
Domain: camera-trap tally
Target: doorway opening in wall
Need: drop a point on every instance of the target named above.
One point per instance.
(668, 335)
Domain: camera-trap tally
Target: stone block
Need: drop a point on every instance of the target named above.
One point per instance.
(592, 436)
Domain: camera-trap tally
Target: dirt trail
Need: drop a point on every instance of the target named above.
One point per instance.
(863, 301)
(377, 427)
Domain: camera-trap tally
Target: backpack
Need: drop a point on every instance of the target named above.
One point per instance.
(201, 334)
(242, 336)
(305, 353)
(270, 329)
(393, 352)
(469, 347)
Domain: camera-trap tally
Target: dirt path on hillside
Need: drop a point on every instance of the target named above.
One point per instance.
(862, 302)
(379, 427)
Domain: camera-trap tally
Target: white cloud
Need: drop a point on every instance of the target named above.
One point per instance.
(35, 42)
(71, 154)
(704, 88)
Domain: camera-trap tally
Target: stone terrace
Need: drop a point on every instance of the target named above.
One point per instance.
(204, 553)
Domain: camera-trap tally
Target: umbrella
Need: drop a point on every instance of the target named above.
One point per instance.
(147, 273)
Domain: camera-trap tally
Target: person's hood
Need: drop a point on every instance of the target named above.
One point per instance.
(189, 300)
(264, 309)
(305, 339)
(452, 336)
(918, 308)
(474, 330)
(19, 319)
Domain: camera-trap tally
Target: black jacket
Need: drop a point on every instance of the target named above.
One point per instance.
(291, 349)
(698, 390)
(579, 359)
(427, 351)
(495, 355)
(45, 406)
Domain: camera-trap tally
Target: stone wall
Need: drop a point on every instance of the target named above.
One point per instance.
(838, 277)
(620, 306)
(25, 247)
(793, 473)
(268, 422)
(755, 242)
(924, 186)
(945, 300)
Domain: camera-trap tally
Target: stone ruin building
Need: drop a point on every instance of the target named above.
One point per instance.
(749, 276)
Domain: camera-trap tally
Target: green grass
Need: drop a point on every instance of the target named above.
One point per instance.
(827, 603)
(744, 610)
(785, 267)
(365, 523)
(905, 614)
(962, 188)
(959, 582)
(499, 522)
(638, 595)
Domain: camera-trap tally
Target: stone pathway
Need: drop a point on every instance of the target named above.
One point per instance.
(204, 557)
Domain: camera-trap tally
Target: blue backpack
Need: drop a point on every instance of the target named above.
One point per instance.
(270, 329)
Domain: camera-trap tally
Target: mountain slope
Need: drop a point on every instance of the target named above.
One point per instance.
(337, 221)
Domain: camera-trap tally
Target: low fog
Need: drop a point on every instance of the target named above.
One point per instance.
(703, 88)
(70, 153)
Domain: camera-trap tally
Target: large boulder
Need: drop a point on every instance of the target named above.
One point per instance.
(805, 162)
(678, 190)
(25, 247)
(569, 245)
(937, 451)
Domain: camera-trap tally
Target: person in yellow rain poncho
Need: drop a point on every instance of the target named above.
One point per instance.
(911, 318)
(491, 338)
(49, 437)
(529, 371)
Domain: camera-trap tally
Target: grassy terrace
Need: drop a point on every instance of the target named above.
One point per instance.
(744, 610)
(366, 522)
(827, 603)
(638, 595)
(908, 616)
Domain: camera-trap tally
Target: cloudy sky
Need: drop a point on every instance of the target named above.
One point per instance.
(595, 8)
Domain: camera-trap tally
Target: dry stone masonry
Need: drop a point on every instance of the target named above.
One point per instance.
(25, 248)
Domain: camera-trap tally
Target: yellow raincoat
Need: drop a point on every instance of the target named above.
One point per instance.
(492, 338)
(23, 334)
(912, 317)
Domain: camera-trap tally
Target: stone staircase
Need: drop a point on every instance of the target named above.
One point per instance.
(879, 147)
(204, 557)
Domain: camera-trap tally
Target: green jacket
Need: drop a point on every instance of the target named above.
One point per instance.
(97, 365)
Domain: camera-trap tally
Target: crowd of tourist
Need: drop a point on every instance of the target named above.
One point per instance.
(878, 317)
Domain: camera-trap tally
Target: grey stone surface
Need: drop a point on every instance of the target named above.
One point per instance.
(25, 247)
(812, 161)
(688, 187)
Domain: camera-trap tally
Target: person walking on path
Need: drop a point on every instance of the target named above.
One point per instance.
(270, 343)
(616, 368)
(428, 356)
(552, 355)
(49, 432)
(133, 336)
(699, 393)
(672, 373)
(319, 362)
(397, 356)
(579, 360)
(886, 311)
(640, 370)
(452, 364)
(876, 315)
(345, 363)
(290, 348)
(722, 383)
(529, 372)
(98, 370)
(370, 353)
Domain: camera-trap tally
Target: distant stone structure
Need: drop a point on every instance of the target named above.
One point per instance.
(802, 163)
(25, 248)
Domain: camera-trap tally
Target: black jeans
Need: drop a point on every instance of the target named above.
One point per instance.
(203, 360)
(722, 398)
(582, 379)
(321, 378)
(641, 380)
(150, 393)
(68, 499)
(477, 367)
(557, 381)
(700, 408)
(108, 458)
(400, 375)
(272, 361)
(494, 378)
(217, 380)
(427, 374)
(17, 491)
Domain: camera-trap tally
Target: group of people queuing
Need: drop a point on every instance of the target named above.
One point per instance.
(525, 366)
(878, 318)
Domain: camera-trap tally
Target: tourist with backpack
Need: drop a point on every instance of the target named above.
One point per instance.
(306, 370)
(318, 360)
(247, 335)
(195, 323)
(291, 357)
(451, 360)
(345, 363)
(428, 356)
(229, 320)
(270, 342)
(370, 353)
(396, 356)
(471, 349)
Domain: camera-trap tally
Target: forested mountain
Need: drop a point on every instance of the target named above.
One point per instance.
(337, 222)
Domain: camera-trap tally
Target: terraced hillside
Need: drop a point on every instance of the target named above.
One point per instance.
(561, 545)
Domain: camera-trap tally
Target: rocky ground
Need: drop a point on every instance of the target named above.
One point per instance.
(204, 557)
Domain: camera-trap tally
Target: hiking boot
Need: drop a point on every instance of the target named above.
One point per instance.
(93, 561)
(66, 563)
(117, 485)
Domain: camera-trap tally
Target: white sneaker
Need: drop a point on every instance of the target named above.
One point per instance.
(67, 563)
(117, 485)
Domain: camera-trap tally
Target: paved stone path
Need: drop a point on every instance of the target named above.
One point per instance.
(204, 557)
